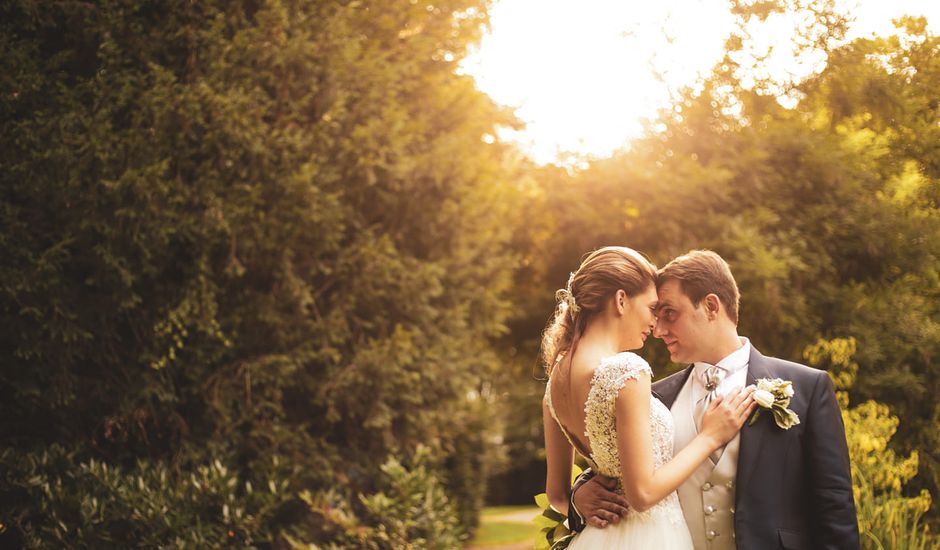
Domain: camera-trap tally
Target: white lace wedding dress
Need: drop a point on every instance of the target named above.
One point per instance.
(662, 526)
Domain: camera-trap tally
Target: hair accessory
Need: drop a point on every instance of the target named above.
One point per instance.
(565, 295)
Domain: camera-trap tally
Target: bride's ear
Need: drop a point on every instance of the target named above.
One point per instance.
(620, 302)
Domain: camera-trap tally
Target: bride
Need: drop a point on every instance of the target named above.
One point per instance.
(598, 402)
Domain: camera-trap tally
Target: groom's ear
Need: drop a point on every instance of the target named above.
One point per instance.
(712, 306)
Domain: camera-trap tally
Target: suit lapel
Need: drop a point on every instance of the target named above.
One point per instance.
(667, 389)
(751, 435)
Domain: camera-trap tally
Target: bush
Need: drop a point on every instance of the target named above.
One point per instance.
(410, 510)
(52, 501)
(886, 517)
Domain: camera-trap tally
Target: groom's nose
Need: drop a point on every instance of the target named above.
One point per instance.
(658, 329)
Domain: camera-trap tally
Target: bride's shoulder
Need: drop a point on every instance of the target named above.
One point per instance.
(625, 359)
(615, 370)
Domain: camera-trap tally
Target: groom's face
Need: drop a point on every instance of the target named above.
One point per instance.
(681, 325)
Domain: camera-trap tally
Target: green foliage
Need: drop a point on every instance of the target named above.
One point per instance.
(887, 518)
(828, 213)
(241, 230)
(94, 505)
(553, 533)
(410, 510)
(553, 529)
(61, 503)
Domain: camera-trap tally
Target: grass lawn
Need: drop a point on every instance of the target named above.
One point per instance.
(495, 530)
(491, 511)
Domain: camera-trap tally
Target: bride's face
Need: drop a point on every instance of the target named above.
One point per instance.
(638, 318)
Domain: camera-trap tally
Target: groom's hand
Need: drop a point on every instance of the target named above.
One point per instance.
(597, 501)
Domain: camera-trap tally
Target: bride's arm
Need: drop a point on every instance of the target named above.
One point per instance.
(558, 457)
(644, 486)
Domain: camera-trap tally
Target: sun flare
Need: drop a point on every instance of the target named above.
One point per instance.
(585, 76)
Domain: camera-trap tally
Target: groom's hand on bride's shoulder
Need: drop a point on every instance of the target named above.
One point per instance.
(599, 503)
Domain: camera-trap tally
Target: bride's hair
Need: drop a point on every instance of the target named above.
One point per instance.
(600, 276)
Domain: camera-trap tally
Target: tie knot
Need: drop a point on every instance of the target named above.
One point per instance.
(713, 377)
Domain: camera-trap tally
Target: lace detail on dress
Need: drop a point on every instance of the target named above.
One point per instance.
(601, 430)
(599, 409)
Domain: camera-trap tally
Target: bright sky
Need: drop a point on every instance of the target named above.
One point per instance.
(581, 74)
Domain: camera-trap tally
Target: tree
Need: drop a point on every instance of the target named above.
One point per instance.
(827, 212)
(241, 231)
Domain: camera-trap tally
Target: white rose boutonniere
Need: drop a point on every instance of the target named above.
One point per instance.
(775, 394)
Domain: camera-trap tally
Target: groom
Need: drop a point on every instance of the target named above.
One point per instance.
(769, 487)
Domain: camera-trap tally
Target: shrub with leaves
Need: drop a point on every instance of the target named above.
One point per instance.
(887, 517)
(93, 505)
(410, 510)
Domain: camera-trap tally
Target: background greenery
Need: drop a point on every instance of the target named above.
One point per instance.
(269, 280)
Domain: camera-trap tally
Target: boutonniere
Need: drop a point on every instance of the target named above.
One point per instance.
(775, 394)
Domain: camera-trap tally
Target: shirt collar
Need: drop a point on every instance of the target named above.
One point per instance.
(734, 361)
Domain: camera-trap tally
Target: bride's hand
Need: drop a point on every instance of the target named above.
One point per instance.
(725, 415)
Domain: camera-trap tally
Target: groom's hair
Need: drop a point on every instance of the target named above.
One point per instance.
(700, 273)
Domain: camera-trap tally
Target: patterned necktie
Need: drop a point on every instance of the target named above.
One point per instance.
(711, 379)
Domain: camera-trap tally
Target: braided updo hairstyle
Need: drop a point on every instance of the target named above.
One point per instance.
(600, 276)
